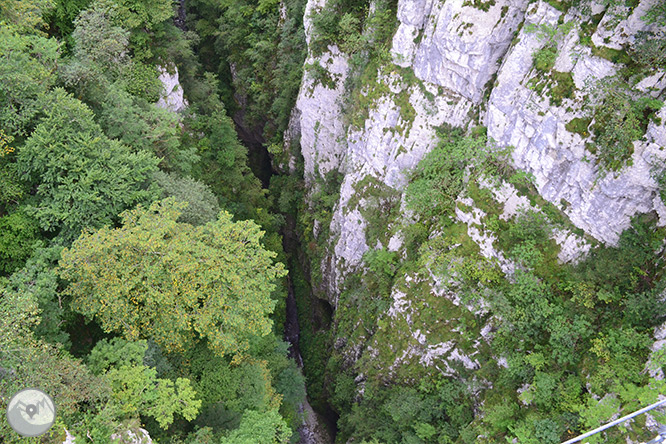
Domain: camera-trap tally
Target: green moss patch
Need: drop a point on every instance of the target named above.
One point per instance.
(613, 55)
(579, 125)
(379, 206)
(480, 4)
(544, 58)
(562, 87)
(557, 85)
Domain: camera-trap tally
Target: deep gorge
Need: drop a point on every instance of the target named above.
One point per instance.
(333, 221)
(321, 429)
(395, 103)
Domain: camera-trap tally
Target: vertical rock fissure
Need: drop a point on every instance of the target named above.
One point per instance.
(291, 328)
(179, 19)
(317, 427)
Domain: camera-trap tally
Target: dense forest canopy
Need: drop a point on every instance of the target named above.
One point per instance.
(145, 270)
(140, 274)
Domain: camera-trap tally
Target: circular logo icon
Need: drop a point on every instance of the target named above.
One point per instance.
(31, 412)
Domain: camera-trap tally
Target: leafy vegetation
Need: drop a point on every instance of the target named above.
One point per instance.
(648, 50)
(134, 286)
(339, 22)
(570, 333)
(579, 125)
(440, 177)
(19, 235)
(266, 50)
(544, 58)
(563, 87)
(141, 276)
(202, 205)
(155, 278)
(25, 75)
(63, 160)
(619, 120)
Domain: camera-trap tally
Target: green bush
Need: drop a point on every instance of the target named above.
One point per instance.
(350, 30)
(19, 235)
(656, 14)
(563, 87)
(619, 120)
(202, 205)
(544, 58)
(649, 50)
(579, 125)
(440, 176)
(382, 265)
(432, 410)
(320, 75)
(61, 17)
(661, 180)
(337, 22)
(143, 82)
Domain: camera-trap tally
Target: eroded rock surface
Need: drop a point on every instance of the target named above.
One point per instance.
(458, 65)
(172, 97)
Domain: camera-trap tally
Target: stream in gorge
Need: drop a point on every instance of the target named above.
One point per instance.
(317, 427)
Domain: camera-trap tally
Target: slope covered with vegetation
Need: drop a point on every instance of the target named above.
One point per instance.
(141, 274)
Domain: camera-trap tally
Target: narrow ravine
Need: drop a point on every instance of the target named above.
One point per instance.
(319, 427)
(292, 330)
(312, 430)
(179, 19)
(316, 428)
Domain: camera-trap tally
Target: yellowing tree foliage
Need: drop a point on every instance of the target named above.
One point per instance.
(157, 278)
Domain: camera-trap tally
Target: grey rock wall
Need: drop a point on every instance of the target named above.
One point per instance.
(172, 98)
(455, 46)
(566, 173)
(319, 108)
(474, 67)
(456, 50)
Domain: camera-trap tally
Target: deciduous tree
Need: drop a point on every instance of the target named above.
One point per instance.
(83, 179)
(260, 428)
(19, 235)
(27, 66)
(202, 204)
(157, 278)
(136, 389)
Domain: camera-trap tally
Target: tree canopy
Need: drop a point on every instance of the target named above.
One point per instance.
(168, 281)
(83, 178)
(160, 316)
(27, 64)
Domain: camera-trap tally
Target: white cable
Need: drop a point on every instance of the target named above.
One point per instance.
(616, 422)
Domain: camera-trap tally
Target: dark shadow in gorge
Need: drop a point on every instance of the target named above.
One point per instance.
(319, 315)
(259, 161)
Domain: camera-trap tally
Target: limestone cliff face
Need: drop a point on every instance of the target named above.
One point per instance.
(172, 98)
(602, 205)
(458, 65)
(474, 67)
(318, 112)
(460, 46)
